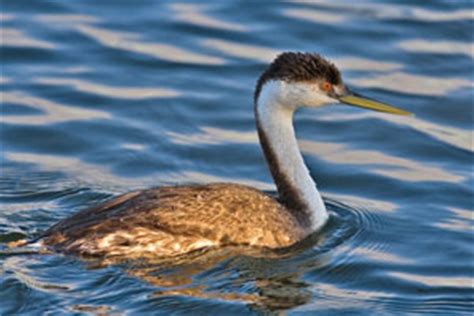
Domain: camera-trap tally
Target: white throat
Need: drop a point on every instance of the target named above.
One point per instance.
(274, 111)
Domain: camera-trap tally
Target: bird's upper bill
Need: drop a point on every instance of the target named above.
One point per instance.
(366, 103)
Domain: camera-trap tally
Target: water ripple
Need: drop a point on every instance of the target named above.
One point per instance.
(414, 84)
(435, 281)
(240, 50)
(383, 11)
(66, 19)
(5, 80)
(437, 47)
(6, 17)
(316, 16)
(15, 38)
(52, 112)
(132, 93)
(457, 137)
(130, 42)
(460, 221)
(193, 14)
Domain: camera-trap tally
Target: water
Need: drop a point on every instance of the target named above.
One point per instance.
(102, 97)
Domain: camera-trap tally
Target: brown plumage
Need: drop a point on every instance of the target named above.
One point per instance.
(174, 220)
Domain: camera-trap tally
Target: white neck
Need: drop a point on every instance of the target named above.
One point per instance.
(275, 124)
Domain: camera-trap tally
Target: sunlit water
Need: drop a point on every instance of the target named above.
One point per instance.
(102, 97)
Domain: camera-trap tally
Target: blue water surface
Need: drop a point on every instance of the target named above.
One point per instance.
(102, 97)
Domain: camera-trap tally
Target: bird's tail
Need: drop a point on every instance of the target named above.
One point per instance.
(23, 242)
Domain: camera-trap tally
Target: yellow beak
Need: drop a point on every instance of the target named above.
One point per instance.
(362, 102)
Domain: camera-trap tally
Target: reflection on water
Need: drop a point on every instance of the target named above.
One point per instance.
(130, 42)
(414, 84)
(449, 135)
(351, 299)
(84, 172)
(212, 135)
(271, 287)
(4, 80)
(100, 98)
(51, 112)
(57, 20)
(373, 205)
(440, 16)
(16, 38)
(364, 64)
(380, 163)
(316, 16)
(438, 47)
(462, 221)
(380, 256)
(393, 11)
(239, 50)
(109, 91)
(16, 266)
(435, 281)
(5, 17)
(193, 14)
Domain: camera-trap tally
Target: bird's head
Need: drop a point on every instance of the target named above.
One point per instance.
(308, 80)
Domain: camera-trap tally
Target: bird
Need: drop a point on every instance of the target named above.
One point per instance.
(169, 221)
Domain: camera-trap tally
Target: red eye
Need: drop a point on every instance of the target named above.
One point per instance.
(327, 86)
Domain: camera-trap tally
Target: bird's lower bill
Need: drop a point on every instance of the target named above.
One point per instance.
(362, 102)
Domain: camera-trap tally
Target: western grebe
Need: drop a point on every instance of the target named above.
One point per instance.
(174, 220)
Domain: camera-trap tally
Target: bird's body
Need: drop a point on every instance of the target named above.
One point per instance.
(175, 220)
(172, 220)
